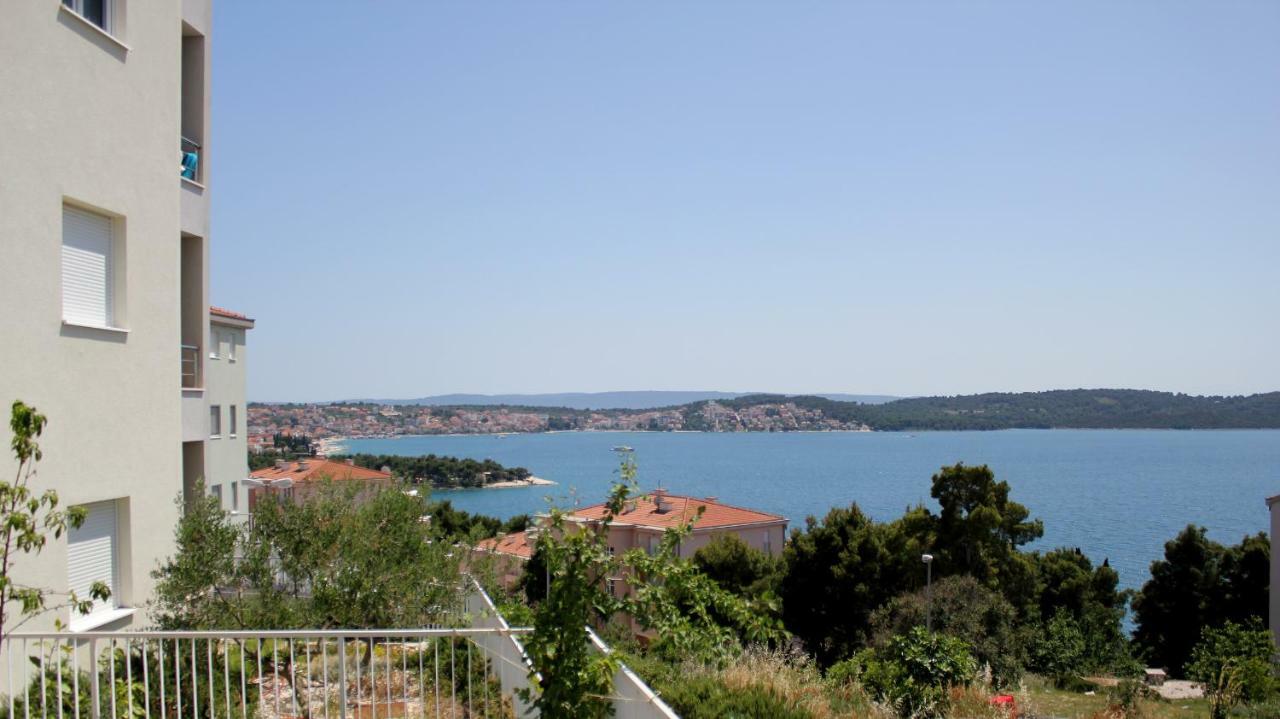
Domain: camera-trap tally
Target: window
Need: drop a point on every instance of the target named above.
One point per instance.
(87, 265)
(215, 421)
(216, 491)
(92, 557)
(233, 420)
(97, 12)
(235, 496)
(231, 346)
(222, 345)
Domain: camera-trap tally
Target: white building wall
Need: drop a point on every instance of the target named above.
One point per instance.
(226, 458)
(92, 120)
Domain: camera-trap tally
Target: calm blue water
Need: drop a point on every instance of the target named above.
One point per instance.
(1114, 494)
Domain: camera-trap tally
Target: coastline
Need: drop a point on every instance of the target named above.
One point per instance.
(530, 482)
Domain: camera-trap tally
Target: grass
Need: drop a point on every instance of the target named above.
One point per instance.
(1039, 698)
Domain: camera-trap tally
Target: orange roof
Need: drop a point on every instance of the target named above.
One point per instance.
(642, 511)
(316, 468)
(516, 543)
(221, 312)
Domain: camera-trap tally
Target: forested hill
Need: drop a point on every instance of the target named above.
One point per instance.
(1080, 408)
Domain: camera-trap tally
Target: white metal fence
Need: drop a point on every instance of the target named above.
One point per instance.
(393, 674)
(434, 673)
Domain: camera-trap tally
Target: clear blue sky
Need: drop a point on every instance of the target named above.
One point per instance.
(906, 198)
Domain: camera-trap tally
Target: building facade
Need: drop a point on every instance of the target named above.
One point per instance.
(227, 449)
(104, 223)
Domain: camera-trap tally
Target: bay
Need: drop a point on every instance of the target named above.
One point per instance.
(1115, 494)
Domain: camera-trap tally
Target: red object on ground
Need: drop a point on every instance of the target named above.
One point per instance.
(1006, 702)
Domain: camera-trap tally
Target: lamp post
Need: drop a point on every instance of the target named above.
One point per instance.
(928, 591)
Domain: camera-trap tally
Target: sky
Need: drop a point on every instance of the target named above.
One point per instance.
(902, 198)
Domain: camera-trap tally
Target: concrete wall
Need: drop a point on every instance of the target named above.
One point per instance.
(226, 458)
(94, 120)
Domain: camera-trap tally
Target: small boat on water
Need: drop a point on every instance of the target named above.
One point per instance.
(623, 448)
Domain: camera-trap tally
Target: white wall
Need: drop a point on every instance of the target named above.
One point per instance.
(87, 120)
(226, 458)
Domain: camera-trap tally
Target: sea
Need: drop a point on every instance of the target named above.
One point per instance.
(1116, 494)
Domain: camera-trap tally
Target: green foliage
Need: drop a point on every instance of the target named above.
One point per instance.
(838, 572)
(334, 561)
(1060, 653)
(706, 697)
(1068, 581)
(979, 530)
(1235, 663)
(443, 471)
(915, 671)
(964, 609)
(738, 568)
(1199, 584)
(26, 521)
(462, 526)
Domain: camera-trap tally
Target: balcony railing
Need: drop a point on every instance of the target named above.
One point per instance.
(189, 154)
(293, 674)
(264, 674)
(190, 366)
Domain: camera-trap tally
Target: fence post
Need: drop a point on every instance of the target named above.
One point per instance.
(342, 676)
(95, 709)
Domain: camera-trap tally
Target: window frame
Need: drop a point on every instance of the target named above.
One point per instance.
(108, 14)
(115, 305)
(232, 417)
(215, 421)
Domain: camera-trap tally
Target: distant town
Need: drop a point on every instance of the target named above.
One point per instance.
(321, 421)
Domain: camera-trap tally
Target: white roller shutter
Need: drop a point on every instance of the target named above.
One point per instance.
(86, 267)
(91, 554)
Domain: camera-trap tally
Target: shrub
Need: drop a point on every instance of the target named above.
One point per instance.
(1234, 663)
(708, 697)
(1060, 653)
(915, 672)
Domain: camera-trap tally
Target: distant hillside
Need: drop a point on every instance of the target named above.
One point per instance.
(1080, 408)
(645, 399)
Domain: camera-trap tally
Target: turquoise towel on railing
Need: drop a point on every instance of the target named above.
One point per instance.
(190, 161)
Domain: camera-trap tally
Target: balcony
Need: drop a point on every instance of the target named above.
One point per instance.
(191, 378)
(265, 674)
(189, 154)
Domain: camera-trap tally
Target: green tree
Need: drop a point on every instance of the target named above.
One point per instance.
(26, 521)
(739, 568)
(964, 609)
(1199, 584)
(1060, 652)
(838, 571)
(1235, 663)
(914, 671)
(1068, 581)
(979, 530)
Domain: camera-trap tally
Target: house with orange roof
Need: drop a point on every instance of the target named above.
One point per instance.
(643, 522)
(297, 480)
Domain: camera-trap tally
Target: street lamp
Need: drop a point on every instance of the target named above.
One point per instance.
(928, 591)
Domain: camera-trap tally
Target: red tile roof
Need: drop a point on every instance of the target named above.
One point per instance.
(644, 512)
(516, 543)
(314, 468)
(221, 312)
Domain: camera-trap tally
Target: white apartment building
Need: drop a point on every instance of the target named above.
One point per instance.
(226, 457)
(104, 106)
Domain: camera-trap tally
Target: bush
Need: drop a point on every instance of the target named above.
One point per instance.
(964, 609)
(915, 672)
(708, 697)
(1060, 653)
(1234, 663)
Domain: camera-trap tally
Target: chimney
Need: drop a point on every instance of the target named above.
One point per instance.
(282, 464)
(351, 462)
(303, 464)
(660, 503)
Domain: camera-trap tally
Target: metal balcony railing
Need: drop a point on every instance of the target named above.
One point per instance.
(264, 674)
(190, 366)
(189, 156)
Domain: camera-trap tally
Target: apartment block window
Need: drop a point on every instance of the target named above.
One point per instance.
(232, 410)
(92, 556)
(231, 346)
(87, 268)
(97, 12)
(235, 497)
(216, 491)
(215, 421)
